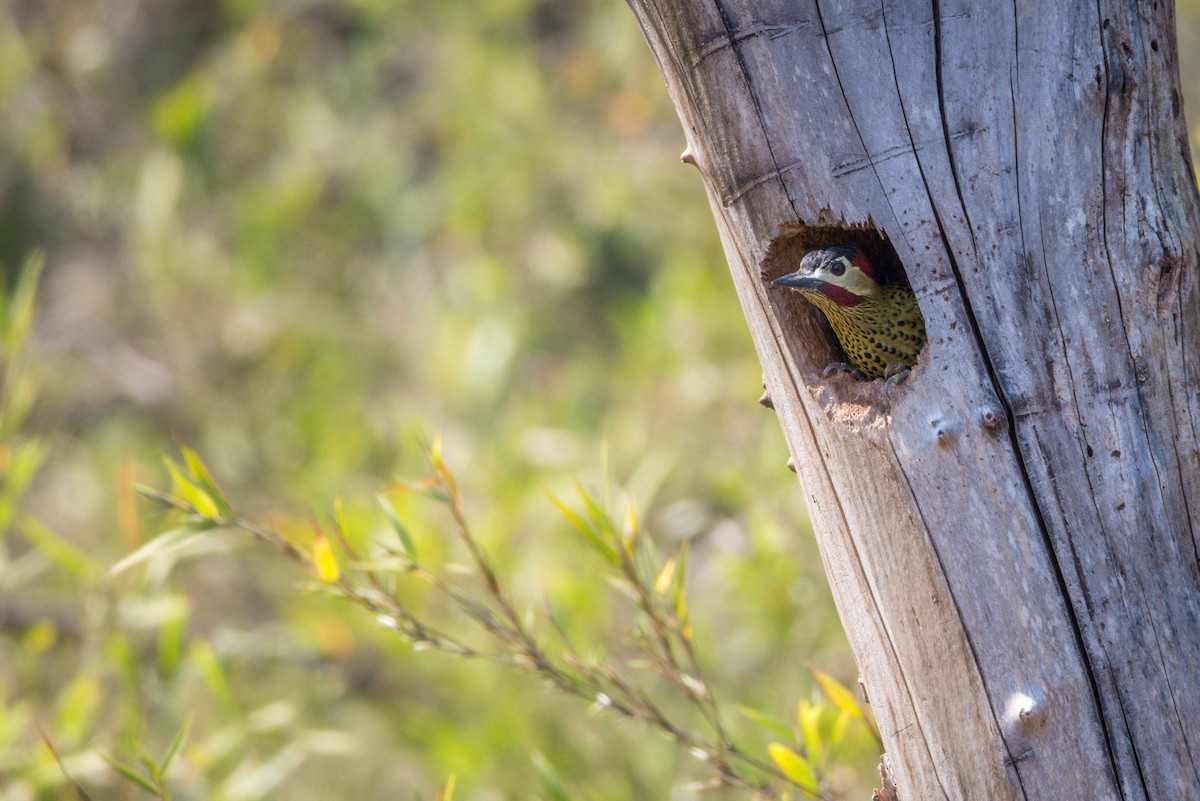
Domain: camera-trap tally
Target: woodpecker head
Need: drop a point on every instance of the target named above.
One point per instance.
(844, 275)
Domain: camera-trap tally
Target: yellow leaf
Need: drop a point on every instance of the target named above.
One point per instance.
(681, 606)
(631, 528)
(196, 497)
(663, 582)
(324, 560)
(447, 794)
(808, 716)
(204, 480)
(794, 766)
(842, 698)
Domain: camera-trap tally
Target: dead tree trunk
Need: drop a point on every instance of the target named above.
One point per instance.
(1010, 535)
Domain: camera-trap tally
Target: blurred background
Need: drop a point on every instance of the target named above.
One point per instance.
(297, 236)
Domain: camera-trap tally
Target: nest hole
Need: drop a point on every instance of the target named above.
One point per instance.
(811, 339)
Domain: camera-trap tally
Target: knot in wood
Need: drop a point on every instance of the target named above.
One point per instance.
(991, 417)
(943, 430)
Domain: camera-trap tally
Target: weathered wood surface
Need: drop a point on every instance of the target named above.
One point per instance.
(1013, 528)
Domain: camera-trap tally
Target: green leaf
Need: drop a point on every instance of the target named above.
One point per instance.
(151, 768)
(795, 767)
(842, 698)
(768, 722)
(131, 774)
(603, 546)
(199, 500)
(78, 707)
(57, 549)
(171, 637)
(406, 541)
(681, 605)
(205, 660)
(18, 310)
(597, 515)
(25, 460)
(176, 744)
(550, 777)
(201, 476)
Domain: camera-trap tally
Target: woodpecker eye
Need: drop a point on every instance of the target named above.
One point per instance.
(838, 268)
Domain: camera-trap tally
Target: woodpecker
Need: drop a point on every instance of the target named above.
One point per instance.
(879, 326)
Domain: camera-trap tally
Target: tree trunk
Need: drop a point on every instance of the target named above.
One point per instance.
(1009, 535)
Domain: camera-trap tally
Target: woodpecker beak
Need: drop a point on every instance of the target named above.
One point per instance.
(800, 280)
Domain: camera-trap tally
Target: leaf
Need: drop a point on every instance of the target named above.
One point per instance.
(603, 546)
(58, 549)
(176, 744)
(151, 768)
(131, 774)
(631, 527)
(163, 543)
(841, 697)
(171, 636)
(838, 732)
(260, 778)
(681, 605)
(768, 722)
(665, 576)
(550, 777)
(447, 793)
(435, 450)
(205, 660)
(201, 475)
(18, 308)
(598, 517)
(808, 718)
(795, 767)
(428, 488)
(78, 707)
(151, 494)
(24, 461)
(184, 488)
(406, 541)
(324, 560)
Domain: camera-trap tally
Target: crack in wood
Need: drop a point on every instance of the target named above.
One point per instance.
(766, 30)
(731, 39)
(742, 187)
(854, 164)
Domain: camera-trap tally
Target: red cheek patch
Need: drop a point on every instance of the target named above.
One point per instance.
(842, 297)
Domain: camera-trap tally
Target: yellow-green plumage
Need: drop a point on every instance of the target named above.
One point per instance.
(878, 325)
(881, 329)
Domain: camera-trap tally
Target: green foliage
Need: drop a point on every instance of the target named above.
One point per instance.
(676, 699)
(293, 234)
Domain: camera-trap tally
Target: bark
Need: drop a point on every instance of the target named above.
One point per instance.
(1009, 536)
